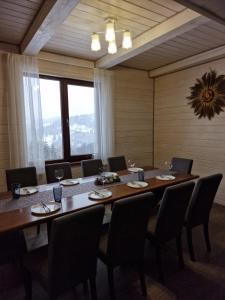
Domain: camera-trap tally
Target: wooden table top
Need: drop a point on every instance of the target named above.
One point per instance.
(22, 217)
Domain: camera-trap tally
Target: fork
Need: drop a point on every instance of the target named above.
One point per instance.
(45, 207)
(98, 193)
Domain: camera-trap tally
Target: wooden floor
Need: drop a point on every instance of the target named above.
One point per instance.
(204, 279)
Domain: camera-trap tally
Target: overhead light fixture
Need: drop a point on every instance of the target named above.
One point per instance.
(110, 37)
(110, 31)
(127, 42)
(112, 48)
(95, 43)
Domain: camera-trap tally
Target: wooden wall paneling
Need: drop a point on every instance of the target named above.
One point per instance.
(65, 70)
(178, 132)
(134, 115)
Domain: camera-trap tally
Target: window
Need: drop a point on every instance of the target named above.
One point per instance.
(68, 119)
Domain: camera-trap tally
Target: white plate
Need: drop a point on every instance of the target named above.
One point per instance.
(39, 210)
(28, 190)
(109, 174)
(100, 194)
(135, 170)
(165, 177)
(68, 182)
(137, 184)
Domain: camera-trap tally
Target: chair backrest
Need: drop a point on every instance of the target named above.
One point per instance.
(182, 165)
(202, 200)
(117, 163)
(128, 227)
(172, 211)
(24, 176)
(73, 247)
(50, 171)
(91, 167)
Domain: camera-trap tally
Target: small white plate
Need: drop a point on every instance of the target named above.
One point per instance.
(28, 190)
(68, 182)
(165, 177)
(109, 174)
(137, 184)
(100, 194)
(135, 170)
(39, 210)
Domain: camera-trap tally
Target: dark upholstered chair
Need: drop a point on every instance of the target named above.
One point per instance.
(124, 242)
(12, 247)
(50, 171)
(24, 176)
(71, 257)
(167, 225)
(200, 206)
(182, 165)
(117, 163)
(91, 167)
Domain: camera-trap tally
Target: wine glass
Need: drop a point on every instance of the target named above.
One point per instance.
(131, 163)
(59, 174)
(168, 165)
(103, 181)
(102, 170)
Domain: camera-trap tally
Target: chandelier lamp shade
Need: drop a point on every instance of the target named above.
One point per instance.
(95, 42)
(110, 34)
(110, 37)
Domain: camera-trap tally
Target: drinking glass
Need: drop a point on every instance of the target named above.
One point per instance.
(15, 189)
(57, 193)
(59, 174)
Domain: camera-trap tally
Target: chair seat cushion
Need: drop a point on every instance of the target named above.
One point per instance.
(37, 264)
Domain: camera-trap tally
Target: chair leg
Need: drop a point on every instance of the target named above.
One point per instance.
(111, 282)
(38, 229)
(142, 279)
(190, 244)
(159, 263)
(49, 224)
(180, 251)
(206, 234)
(28, 285)
(93, 288)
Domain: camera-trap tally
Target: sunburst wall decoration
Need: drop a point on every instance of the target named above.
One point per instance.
(208, 95)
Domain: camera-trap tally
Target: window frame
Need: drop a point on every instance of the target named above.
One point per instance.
(64, 103)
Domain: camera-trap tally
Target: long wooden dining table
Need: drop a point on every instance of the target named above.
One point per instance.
(16, 213)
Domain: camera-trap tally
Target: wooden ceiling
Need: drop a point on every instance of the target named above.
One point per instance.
(204, 37)
(15, 18)
(74, 36)
(163, 31)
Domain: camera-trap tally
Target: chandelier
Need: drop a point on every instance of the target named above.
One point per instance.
(110, 37)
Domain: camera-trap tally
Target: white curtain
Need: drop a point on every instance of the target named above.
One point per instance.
(24, 113)
(104, 109)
